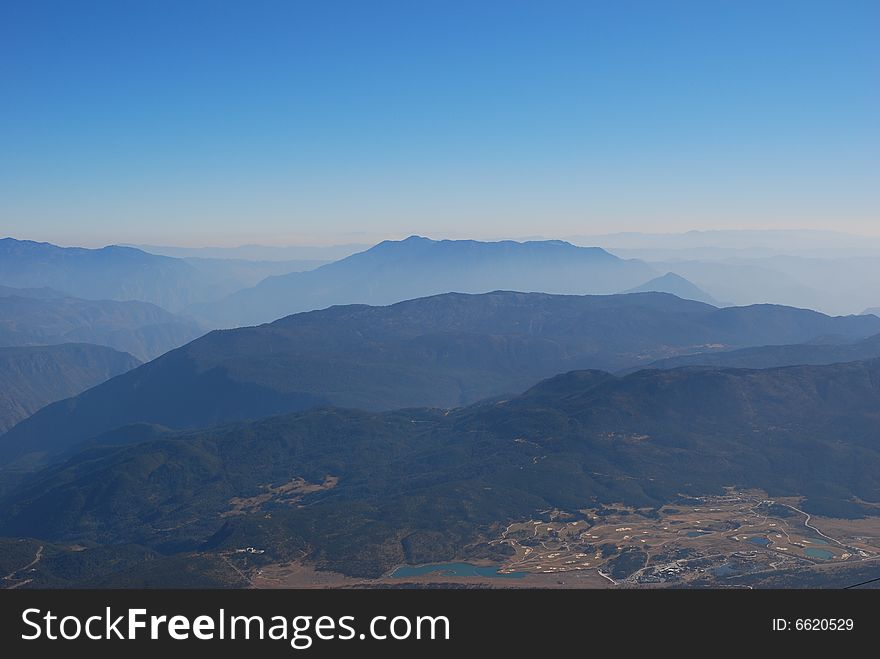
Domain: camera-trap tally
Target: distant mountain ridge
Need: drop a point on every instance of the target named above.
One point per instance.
(676, 285)
(808, 354)
(314, 253)
(33, 377)
(125, 273)
(109, 273)
(46, 317)
(393, 271)
(42, 293)
(441, 351)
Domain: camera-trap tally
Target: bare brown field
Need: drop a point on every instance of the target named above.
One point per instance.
(290, 492)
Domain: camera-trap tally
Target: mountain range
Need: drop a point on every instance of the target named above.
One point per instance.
(43, 317)
(126, 273)
(360, 492)
(109, 273)
(229, 287)
(380, 419)
(393, 271)
(442, 351)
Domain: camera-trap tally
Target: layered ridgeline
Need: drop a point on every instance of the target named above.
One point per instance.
(393, 271)
(442, 351)
(126, 273)
(110, 273)
(32, 377)
(776, 356)
(45, 317)
(359, 493)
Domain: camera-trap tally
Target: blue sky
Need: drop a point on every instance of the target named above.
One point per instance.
(281, 122)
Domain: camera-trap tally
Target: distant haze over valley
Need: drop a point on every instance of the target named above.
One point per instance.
(230, 286)
(307, 253)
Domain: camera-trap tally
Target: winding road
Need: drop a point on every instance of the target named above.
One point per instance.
(810, 526)
(9, 577)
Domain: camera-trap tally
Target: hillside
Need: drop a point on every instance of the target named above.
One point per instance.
(44, 317)
(359, 493)
(33, 377)
(776, 356)
(442, 351)
(393, 271)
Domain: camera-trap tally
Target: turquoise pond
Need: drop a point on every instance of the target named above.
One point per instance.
(815, 552)
(455, 570)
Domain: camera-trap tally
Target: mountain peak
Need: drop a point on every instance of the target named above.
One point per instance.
(677, 285)
(484, 250)
(397, 270)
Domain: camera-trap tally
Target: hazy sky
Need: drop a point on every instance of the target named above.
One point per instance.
(184, 122)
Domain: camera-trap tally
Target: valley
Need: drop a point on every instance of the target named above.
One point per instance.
(631, 474)
(740, 539)
(734, 540)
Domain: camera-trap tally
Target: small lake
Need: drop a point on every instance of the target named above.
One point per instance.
(455, 570)
(757, 540)
(697, 534)
(814, 552)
